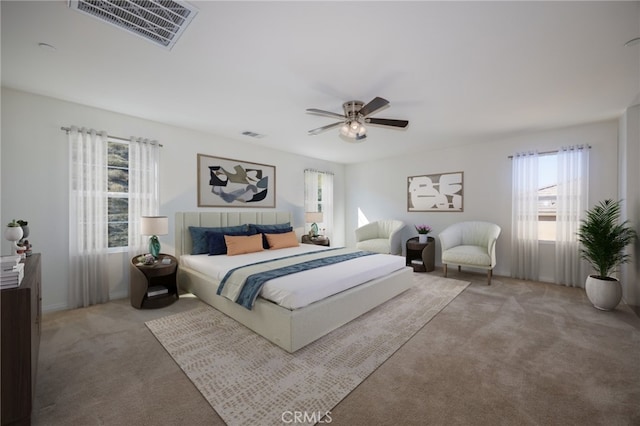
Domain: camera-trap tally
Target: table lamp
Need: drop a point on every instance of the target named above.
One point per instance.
(154, 226)
(313, 218)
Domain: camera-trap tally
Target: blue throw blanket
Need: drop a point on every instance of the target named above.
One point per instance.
(243, 284)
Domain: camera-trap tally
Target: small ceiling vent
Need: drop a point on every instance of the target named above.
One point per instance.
(159, 21)
(253, 134)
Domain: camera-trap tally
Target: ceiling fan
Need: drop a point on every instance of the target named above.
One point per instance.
(356, 114)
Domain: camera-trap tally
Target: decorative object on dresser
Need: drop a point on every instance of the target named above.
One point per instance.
(13, 232)
(225, 182)
(319, 241)
(154, 226)
(441, 192)
(421, 256)
(153, 285)
(24, 243)
(12, 271)
(20, 311)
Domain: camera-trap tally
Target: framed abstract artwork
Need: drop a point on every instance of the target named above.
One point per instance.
(225, 182)
(435, 193)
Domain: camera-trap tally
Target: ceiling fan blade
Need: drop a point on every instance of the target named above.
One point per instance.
(387, 122)
(323, 128)
(375, 105)
(325, 113)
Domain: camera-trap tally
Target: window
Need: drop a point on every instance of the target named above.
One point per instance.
(118, 193)
(318, 197)
(112, 183)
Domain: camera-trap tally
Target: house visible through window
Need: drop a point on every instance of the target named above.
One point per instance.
(547, 196)
(118, 193)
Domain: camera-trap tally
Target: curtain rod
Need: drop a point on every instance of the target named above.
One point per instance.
(552, 152)
(68, 129)
(318, 171)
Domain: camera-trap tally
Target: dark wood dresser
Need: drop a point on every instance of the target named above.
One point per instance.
(21, 325)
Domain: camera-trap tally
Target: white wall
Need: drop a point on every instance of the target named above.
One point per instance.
(629, 158)
(34, 178)
(379, 189)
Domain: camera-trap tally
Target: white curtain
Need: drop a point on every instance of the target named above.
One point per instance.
(144, 157)
(323, 181)
(88, 229)
(524, 220)
(572, 201)
(327, 202)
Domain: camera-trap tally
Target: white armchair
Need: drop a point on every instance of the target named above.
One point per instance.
(382, 236)
(470, 244)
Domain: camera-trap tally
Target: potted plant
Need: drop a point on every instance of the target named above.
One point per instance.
(423, 231)
(13, 232)
(603, 241)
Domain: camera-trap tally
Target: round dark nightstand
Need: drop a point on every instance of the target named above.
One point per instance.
(422, 257)
(319, 241)
(153, 286)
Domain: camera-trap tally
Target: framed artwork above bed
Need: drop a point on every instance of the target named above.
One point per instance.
(442, 192)
(226, 182)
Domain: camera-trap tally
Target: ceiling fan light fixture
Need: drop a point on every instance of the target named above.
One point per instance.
(356, 114)
(353, 129)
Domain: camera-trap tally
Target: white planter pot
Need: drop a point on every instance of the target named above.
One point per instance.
(603, 294)
(13, 233)
(422, 238)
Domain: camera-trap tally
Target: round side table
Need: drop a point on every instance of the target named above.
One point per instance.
(422, 257)
(153, 286)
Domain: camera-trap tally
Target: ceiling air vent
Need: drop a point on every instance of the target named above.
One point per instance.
(159, 21)
(253, 134)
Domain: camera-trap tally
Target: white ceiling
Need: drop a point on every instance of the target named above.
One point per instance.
(460, 72)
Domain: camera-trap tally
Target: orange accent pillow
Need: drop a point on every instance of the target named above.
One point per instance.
(278, 241)
(243, 244)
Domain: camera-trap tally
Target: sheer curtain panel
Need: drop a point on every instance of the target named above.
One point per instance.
(572, 202)
(524, 220)
(144, 157)
(318, 196)
(88, 230)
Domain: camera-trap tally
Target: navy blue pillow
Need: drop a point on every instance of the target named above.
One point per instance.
(217, 244)
(268, 229)
(199, 236)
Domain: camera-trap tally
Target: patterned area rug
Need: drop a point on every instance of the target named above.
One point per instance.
(249, 380)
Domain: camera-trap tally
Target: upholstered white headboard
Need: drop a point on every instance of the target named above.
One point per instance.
(216, 219)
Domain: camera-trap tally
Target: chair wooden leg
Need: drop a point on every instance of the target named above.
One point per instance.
(444, 266)
(489, 274)
(459, 268)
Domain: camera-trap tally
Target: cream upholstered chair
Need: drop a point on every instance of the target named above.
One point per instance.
(470, 244)
(382, 236)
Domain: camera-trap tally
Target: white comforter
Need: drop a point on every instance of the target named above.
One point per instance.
(302, 288)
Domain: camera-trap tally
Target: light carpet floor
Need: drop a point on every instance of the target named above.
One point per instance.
(249, 380)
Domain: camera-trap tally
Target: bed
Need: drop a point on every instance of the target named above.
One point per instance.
(291, 329)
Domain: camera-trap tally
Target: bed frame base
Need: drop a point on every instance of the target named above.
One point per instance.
(289, 329)
(293, 329)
